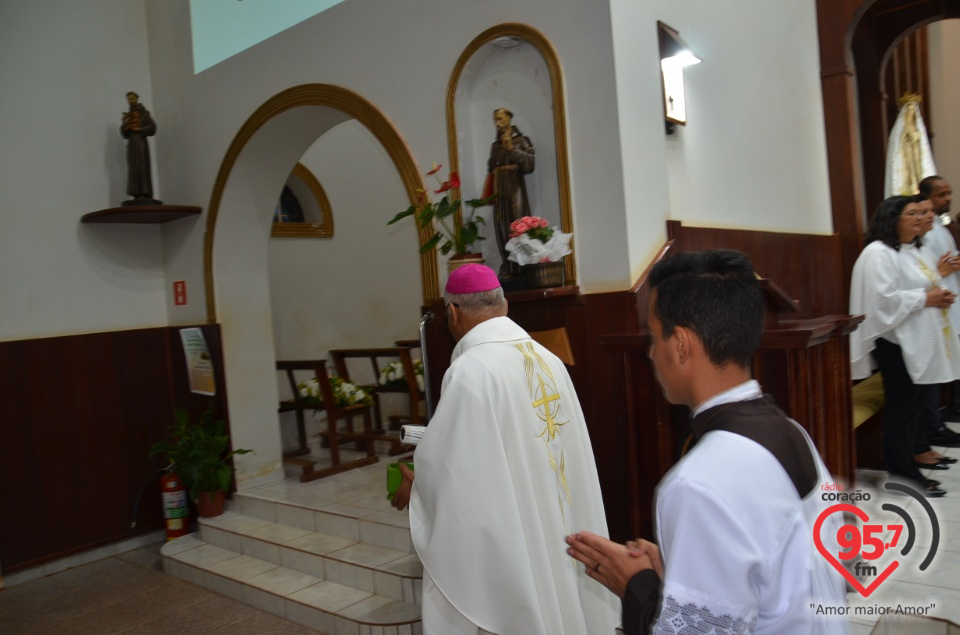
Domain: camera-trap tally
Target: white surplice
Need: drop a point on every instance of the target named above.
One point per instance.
(937, 242)
(504, 472)
(737, 540)
(889, 288)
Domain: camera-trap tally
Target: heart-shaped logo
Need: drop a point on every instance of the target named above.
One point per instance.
(832, 559)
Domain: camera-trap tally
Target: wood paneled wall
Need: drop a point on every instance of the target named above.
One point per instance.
(78, 416)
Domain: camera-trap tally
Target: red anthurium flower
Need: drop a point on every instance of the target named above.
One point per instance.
(454, 179)
(443, 188)
(436, 168)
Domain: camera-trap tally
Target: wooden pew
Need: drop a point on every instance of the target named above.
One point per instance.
(332, 434)
(378, 358)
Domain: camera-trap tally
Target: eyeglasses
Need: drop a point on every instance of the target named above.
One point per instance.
(917, 213)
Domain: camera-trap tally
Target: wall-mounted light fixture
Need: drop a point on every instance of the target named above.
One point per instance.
(674, 56)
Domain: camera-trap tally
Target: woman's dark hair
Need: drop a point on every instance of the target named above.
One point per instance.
(883, 225)
(717, 295)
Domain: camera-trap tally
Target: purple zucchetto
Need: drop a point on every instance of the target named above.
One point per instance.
(471, 279)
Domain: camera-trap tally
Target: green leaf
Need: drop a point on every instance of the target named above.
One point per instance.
(409, 212)
(468, 234)
(430, 244)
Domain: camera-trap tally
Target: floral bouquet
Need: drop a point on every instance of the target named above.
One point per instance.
(532, 240)
(344, 393)
(393, 375)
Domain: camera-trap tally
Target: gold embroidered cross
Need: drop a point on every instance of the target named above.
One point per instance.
(547, 416)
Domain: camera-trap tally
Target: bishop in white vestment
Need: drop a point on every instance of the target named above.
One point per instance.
(504, 471)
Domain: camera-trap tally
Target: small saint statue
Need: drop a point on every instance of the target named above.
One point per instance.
(136, 126)
(511, 157)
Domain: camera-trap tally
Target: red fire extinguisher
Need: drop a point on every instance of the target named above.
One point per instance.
(175, 511)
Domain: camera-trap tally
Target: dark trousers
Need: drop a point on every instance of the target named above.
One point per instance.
(900, 411)
(929, 398)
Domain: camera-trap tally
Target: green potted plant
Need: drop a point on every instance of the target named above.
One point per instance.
(198, 453)
(448, 237)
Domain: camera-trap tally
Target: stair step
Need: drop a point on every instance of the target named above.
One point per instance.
(310, 600)
(345, 560)
(330, 554)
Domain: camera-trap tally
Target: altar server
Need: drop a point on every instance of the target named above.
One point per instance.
(504, 471)
(736, 517)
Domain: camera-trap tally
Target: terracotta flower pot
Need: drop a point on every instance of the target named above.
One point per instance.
(210, 504)
(463, 259)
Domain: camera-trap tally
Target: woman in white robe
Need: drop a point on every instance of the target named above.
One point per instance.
(906, 330)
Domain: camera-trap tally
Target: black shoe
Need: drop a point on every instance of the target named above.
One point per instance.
(944, 437)
(934, 492)
(932, 466)
(946, 460)
(929, 482)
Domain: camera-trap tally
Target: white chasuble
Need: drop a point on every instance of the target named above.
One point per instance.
(504, 472)
(889, 288)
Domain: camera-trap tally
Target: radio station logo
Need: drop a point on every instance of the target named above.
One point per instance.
(874, 539)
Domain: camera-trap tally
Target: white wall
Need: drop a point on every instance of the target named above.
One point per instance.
(359, 288)
(753, 154)
(944, 47)
(65, 67)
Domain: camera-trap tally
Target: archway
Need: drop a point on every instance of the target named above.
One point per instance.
(838, 22)
(254, 168)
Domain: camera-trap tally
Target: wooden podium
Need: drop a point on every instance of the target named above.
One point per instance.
(803, 363)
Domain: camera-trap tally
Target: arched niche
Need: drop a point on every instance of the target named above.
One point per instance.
(236, 240)
(317, 215)
(526, 77)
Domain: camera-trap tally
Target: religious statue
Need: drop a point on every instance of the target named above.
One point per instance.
(511, 157)
(136, 126)
(909, 158)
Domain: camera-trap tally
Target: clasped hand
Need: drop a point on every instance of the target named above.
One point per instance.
(940, 298)
(612, 564)
(948, 264)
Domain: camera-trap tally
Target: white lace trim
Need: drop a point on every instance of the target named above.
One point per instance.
(692, 619)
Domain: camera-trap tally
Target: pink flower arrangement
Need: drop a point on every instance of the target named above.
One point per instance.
(534, 226)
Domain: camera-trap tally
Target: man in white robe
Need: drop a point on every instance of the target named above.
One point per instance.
(504, 471)
(942, 239)
(736, 516)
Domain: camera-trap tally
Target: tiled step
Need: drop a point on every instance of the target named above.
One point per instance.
(311, 600)
(331, 555)
(342, 559)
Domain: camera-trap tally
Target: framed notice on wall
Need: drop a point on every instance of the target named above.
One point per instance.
(199, 363)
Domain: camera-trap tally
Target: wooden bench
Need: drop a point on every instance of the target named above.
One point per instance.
(378, 358)
(335, 414)
(868, 400)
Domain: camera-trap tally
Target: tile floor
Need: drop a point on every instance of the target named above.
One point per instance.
(938, 586)
(129, 593)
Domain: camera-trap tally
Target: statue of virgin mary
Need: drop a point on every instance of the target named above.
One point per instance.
(909, 158)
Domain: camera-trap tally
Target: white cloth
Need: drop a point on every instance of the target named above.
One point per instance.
(737, 542)
(504, 472)
(903, 179)
(889, 288)
(937, 242)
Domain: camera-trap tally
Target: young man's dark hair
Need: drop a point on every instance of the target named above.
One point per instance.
(716, 294)
(927, 184)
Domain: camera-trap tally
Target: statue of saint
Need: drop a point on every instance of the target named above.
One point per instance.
(136, 126)
(511, 157)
